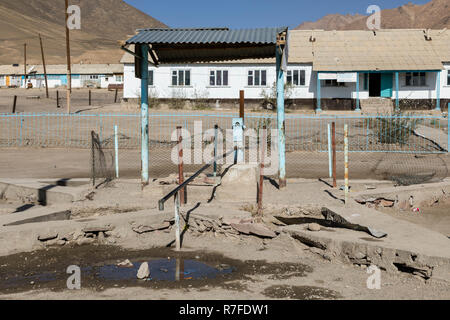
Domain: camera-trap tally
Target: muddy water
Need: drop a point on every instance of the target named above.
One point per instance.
(46, 269)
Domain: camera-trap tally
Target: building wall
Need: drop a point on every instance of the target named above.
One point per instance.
(238, 74)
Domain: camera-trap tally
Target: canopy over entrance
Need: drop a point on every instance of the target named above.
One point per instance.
(170, 46)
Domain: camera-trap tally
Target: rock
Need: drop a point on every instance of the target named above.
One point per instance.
(144, 229)
(144, 271)
(50, 235)
(256, 229)
(101, 237)
(97, 228)
(84, 241)
(125, 264)
(314, 227)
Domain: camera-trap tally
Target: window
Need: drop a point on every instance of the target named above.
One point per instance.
(448, 77)
(150, 78)
(218, 78)
(257, 78)
(333, 83)
(181, 78)
(119, 77)
(415, 79)
(93, 77)
(296, 77)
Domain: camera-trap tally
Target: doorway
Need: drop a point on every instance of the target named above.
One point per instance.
(374, 84)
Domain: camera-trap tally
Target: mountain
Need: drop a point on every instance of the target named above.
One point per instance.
(103, 24)
(432, 15)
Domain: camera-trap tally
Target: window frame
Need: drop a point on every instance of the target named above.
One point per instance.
(176, 72)
(254, 74)
(333, 83)
(291, 74)
(419, 78)
(213, 77)
(448, 78)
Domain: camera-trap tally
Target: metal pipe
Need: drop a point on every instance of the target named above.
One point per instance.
(180, 164)
(333, 143)
(216, 135)
(144, 116)
(177, 222)
(281, 120)
(116, 146)
(263, 144)
(186, 182)
(330, 155)
(346, 162)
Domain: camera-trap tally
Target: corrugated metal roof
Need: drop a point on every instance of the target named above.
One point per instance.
(206, 36)
(208, 45)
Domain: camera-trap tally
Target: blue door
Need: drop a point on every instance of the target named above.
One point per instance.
(386, 85)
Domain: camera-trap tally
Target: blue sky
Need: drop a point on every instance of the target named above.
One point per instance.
(253, 13)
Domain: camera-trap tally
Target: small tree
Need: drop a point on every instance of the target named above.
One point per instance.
(270, 96)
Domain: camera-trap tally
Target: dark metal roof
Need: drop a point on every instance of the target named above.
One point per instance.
(208, 44)
(206, 36)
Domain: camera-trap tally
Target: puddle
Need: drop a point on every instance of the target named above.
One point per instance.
(160, 270)
(168, 270)
(300, 293)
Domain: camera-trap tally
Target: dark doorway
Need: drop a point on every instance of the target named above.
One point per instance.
(374, 84)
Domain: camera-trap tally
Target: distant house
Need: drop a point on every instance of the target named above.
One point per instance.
(327, 70)
(83, 75)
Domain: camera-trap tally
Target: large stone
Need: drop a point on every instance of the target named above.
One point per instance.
(143, 229)
(314, 227)
(256, 229)
(49, 235)
(144, 271)
(239, 183)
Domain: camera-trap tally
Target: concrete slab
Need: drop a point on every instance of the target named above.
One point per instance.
(32, 190)
(437, 136)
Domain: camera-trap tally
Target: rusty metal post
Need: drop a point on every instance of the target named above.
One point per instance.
(90, 97)
(45, 67)
(115, 97)
(333, 145)
(263, 144)
(180, 165)
(346, 163)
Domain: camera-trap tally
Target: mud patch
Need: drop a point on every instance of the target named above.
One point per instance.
(300, 293)
(46, 269)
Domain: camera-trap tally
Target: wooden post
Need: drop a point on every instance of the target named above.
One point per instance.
(14, 104)
(180, 164)
(69, 67)
(333, 143)
(242, 105)
(25, 65)
(45, 67)
(263, 144)
(90, 97)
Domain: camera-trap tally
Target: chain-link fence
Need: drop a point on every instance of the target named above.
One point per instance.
(404, 148)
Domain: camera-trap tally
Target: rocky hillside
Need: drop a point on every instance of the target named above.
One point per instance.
(103, 24)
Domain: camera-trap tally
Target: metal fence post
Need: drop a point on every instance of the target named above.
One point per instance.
(330, 156)
(346, 162)
(333, 142)
(216, 135)
(177, 221)
(180, 165)
(116, 147)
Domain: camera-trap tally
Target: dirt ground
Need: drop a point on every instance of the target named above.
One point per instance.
(279, 268)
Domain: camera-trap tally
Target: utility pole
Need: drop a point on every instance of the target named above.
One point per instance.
(25, 64)
(69, 71)
(45, 68)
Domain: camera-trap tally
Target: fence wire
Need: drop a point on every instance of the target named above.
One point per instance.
(407, 149)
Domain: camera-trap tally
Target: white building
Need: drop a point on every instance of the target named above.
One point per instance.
(327, 70)
(83, 75)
